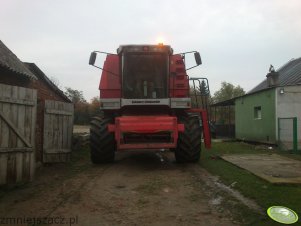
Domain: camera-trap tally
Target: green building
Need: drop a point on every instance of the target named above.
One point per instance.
(271, 112)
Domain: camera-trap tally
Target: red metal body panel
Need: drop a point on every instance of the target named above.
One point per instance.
(147, 125)
(178, 82)
(110, 84)
(206, 129)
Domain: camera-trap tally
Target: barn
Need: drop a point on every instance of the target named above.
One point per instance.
(36, 119)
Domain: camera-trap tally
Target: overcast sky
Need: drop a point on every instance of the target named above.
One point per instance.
(237, 39)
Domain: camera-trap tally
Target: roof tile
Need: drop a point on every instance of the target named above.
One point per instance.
(11, 62)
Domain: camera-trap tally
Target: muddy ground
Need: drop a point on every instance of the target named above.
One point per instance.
(141, 188)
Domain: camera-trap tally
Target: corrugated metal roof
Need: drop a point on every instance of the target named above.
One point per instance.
(11, 62)
(228, 102)
(289, 74)
(41, 76)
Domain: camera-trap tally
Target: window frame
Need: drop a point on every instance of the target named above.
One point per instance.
(257, 110)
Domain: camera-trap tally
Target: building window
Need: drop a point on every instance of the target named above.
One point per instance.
(257, 112)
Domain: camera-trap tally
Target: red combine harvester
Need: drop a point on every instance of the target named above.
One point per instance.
(149, 102)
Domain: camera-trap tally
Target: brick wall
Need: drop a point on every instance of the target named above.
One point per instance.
(9, 78)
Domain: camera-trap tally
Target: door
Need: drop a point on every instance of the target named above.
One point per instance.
(17, 134)
(58, 129)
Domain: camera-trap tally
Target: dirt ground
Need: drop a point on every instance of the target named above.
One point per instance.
(142, 188)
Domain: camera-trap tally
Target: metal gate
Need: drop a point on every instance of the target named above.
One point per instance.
(287, 134)
(58, 129)
(17, 133)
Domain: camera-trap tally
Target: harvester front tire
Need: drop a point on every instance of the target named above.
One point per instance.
(102, 143)
(189, 142)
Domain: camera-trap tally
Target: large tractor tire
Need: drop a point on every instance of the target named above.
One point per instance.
(102, 143)
(189, 142)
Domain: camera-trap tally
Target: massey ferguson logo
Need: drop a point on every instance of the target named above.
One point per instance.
(145, 101)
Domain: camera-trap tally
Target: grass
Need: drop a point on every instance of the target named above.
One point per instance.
(142, 202)
(80, 160)
(151, 187)
(264, 193)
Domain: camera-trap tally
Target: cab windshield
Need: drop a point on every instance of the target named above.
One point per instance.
(144, 76)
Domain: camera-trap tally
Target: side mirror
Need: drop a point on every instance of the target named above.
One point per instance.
(198, 59)
(92, 58)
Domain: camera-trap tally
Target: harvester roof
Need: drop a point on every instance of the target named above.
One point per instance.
(145, 48)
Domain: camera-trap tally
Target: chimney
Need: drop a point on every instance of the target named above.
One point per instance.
(272, 77)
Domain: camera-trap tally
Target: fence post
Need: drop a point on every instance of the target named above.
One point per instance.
(295, 135)
(279, 144)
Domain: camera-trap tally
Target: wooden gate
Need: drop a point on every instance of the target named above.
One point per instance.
(58, 129)
(17, 133)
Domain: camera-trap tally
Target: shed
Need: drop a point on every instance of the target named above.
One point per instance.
(222, 116)
(270, 112)
(36, 119)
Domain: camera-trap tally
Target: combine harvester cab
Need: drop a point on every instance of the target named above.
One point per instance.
(149, 102)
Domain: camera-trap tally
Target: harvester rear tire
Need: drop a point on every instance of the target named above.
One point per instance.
(102, 143)
(189, 142)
